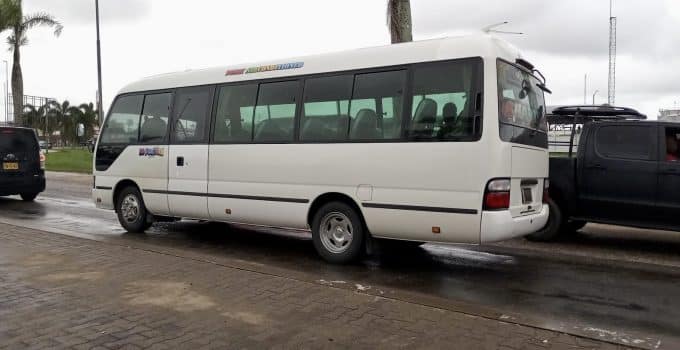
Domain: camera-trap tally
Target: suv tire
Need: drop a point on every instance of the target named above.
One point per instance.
(552, 230)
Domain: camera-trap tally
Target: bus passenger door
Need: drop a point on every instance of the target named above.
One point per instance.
(151, 172)
(188, 156)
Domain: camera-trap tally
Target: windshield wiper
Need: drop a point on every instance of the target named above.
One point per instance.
(541, 85)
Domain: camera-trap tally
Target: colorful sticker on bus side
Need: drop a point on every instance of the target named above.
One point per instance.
(269, 68)
(152, 152)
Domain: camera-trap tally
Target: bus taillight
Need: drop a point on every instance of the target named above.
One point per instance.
(497, 195)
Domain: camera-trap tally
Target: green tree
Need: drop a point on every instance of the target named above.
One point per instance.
(66, 116)
(86, 114)
(399, 20)
(13, 19)
(35, 117)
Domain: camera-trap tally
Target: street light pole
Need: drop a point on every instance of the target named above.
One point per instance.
(100, 110)
(6, 90)
(595, 93)
(585, 88)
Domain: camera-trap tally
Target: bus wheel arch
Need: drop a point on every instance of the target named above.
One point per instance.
(130, 208)
(122, 184)
(329, 197)
(339, 230)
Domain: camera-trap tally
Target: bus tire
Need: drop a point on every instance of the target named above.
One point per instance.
(338, 233)
(552, 230)
(132, 213)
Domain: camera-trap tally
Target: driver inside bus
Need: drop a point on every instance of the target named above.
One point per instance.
(672, 148)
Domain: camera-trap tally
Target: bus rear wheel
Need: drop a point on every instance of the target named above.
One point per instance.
(338, 233)
(132, 213)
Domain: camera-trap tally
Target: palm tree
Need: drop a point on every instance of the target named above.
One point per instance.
(399, 20)
(13, 19)
(33, 117)
(89, 117)
(66, 116)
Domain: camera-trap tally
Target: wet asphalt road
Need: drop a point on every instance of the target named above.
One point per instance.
(609, 283)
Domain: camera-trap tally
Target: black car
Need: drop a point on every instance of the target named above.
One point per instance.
(22, 169)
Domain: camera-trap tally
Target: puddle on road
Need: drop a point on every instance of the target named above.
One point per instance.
(40, 260)
(246, 317)
(72, 276)
(177, 296)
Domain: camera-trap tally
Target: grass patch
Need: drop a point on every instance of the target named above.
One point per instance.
(69, 160)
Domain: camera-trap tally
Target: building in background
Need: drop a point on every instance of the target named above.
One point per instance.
(670, 115)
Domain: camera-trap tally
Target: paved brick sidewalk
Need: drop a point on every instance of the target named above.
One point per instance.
(64, 292)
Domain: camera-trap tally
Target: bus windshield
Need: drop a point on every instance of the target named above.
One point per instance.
(521, 100)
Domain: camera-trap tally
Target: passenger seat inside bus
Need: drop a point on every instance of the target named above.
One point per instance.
(450, 113)
(365, 126)
(424, 119)
(315, 129)
(153, 128)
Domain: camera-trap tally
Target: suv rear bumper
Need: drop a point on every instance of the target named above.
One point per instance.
(11, 185)
(500, 225)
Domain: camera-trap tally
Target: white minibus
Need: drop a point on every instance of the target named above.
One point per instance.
(432, 141)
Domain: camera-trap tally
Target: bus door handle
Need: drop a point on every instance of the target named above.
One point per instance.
(180, 161)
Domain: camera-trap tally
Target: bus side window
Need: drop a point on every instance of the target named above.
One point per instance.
(275, 112)
(367, 109)
(122, 125)
(325, 113)
(155, 116)
(441, 109)
(235, 110)
(191, 115)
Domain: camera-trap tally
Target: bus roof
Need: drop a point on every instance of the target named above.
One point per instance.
(485, 46)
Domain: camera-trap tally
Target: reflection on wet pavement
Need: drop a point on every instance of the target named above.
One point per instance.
(604, 301)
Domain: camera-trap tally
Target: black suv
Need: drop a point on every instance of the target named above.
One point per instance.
(22, 169)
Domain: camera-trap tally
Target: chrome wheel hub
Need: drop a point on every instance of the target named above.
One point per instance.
(129, 208)
(336, 232)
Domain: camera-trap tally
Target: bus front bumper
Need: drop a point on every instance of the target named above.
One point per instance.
(500, 225)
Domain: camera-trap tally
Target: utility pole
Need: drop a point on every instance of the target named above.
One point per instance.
(611, 94)
(100, 109)
(585, 89)
(6, 91)
(595, 93)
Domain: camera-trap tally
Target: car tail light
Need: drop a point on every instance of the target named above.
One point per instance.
(42, 161)
(546, 190)
(497, 195)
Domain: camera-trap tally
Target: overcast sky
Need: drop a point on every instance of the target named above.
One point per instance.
(565, 39)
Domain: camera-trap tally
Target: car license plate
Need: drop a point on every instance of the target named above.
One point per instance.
(527, 197)
(10, 166)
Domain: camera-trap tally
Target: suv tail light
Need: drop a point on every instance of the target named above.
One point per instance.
(42, 161)
(546, 190)
(497, 195)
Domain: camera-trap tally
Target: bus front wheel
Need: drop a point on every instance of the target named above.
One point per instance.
(132, 213)
(338, 233)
